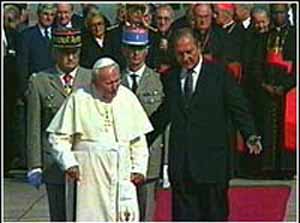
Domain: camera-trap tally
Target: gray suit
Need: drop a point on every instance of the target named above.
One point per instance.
(150, 94)
(45, 95)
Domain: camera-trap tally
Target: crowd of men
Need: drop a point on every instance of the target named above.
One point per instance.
(247, 50)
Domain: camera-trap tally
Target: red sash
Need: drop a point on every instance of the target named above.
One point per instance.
(235, 69)
(290, 126)
(276, 59)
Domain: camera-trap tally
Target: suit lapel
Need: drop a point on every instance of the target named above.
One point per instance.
(56, 82)
(200, 82)
(143, 80)
(41, 37)
(178, 89)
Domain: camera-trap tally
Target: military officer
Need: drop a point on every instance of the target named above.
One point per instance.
(46, 92)
(146, 84)
(136, 15)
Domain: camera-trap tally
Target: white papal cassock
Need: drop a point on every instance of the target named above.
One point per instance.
(107, 141)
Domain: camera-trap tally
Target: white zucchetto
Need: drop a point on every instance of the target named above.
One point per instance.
(104, 62)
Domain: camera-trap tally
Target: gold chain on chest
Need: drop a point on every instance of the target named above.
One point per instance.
(276, 41)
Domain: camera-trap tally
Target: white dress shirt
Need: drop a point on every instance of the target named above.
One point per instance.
(99, 42)
(42, 30)
(246, 23)
(228, 24)
(69, 25)
(139, 74)
(61, 75)
(196, 73)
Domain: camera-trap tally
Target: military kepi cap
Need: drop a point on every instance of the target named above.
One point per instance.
(66, 38)
(135, 36)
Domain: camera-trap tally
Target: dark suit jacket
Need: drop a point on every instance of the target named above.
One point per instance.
(217, 43)
(10, 76)
(179, 23)
(199, 148)
(156, 56)
(236, 34)
(33, 55)
(91, 51)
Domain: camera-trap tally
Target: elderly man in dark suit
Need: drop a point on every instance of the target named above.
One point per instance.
(46, 92)
(65, 17)
(94, 41)
(200, 95)
(34, 53)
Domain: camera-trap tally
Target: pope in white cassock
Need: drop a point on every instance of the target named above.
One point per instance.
(98, 138)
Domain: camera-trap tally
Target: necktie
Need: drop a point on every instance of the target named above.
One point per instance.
(188, 85)
(67, 83)
(47, 33)
(134, 83)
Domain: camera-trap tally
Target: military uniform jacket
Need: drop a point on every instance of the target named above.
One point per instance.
(45, 95)
(150, 94)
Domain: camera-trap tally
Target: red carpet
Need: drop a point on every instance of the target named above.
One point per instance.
(246, 204)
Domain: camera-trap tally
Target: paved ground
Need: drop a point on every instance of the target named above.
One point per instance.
(23, 203)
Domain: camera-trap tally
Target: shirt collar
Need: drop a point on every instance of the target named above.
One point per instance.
(228, 24)
(99, 41)
(69, 25)
(72, 73)
(246, 22)
(42, 29)
(4, 38)
(139, 72)
(196, 69)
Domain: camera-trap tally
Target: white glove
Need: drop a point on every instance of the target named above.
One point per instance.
(166, 182)
(34, 177)
(129, 210)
